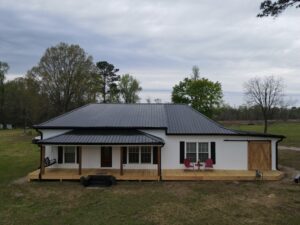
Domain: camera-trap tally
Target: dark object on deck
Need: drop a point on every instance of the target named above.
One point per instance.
(259, 175)
(98, 180)
(297, 179)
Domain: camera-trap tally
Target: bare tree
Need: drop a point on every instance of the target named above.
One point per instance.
(267, 93)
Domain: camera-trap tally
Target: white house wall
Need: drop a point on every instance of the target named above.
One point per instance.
(230, 155)
(91, 158)
(47, 133)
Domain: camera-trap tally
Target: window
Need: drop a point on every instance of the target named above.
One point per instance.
(203, 151)
(69, 154)
(191, 151)
(134, 154)
(145, 154)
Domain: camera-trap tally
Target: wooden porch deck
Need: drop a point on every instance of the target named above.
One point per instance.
(168, 175)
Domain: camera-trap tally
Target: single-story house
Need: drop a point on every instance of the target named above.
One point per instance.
(150, 141)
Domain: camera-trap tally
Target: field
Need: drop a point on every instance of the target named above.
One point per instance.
(138, 202)
(290, 130)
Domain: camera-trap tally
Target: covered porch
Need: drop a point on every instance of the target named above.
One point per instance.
(152, 175)
(86, 152)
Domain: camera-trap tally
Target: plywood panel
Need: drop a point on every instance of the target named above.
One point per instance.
(259, 155)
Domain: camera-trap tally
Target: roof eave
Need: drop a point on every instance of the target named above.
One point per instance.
(220, 134)
(96, 128)
(98, 143)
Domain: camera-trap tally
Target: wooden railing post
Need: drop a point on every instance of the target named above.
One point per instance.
(42, 162)
(79, 160)
(159, 162)
(121, 161)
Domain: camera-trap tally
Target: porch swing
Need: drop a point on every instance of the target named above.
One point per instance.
(48, 162)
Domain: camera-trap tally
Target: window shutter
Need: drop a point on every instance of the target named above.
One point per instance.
(60, 154)
(213, 151)
(124, 151)
(155, 148)
(181, 152)
(77, 154)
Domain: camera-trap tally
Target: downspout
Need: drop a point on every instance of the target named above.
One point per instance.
(277, 152)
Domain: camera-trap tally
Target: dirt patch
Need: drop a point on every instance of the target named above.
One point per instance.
(21, 180)
(290, 173)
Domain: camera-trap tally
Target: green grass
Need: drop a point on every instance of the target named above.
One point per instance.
(290, 130)
(18, 156)
(136, 202)
(290, 158)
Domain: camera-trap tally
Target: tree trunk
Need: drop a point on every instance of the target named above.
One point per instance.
(265, 125)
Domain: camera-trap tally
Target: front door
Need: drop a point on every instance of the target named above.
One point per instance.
(259, 155)
(106, 156)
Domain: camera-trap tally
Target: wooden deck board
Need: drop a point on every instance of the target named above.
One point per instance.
(168, 175)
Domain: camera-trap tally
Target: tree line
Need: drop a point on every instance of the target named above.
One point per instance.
(253, 113)
(65, 78)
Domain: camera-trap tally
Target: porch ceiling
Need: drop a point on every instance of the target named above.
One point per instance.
(103, 137)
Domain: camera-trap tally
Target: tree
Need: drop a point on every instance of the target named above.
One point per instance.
(275, 8)
(148, 100)
(157, 100)
(129, 88)
(109, 78)
(202, 94)
(67, 76)
(3, 70)
(266, 93)
(196, 72)
(25, 105)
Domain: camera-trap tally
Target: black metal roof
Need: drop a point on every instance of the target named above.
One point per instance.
(174, 118)
(102, 137)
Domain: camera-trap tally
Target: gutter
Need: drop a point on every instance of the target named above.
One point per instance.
(277, 152)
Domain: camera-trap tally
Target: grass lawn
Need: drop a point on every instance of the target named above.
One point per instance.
(136, 202)
(290, 158)
(290, 130)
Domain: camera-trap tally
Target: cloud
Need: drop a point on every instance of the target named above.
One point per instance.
(158, 41)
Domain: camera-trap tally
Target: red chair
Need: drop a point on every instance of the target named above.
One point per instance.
(187, 163)
(209, 164)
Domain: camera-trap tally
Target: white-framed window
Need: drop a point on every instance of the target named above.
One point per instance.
(197, 151)
(146, 154)
(140, 154)
(191, 151)
(203, 152)
(133, 154)
(69, 154)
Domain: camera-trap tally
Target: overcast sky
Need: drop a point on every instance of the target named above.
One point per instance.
(158, 42)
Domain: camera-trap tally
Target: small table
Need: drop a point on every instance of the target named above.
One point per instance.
(198, 164)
